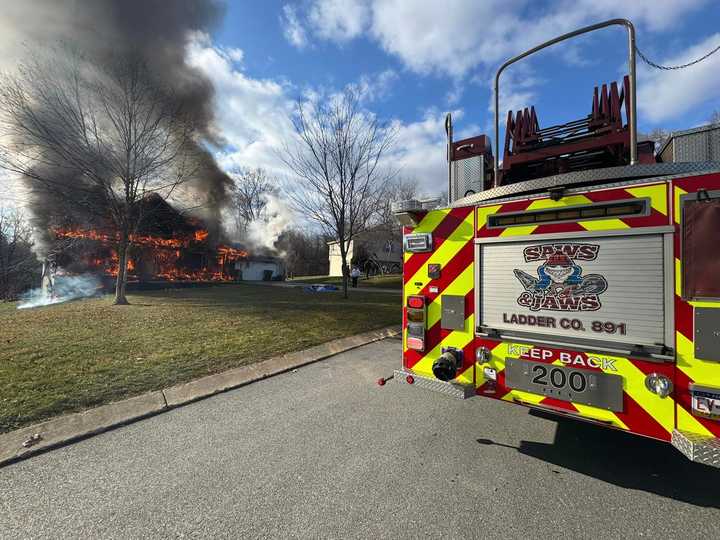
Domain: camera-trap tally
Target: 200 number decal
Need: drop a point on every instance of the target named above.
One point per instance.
(559, 378)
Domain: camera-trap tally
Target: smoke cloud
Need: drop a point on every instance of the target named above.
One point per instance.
(156, 30)
(66, 288)
(277, 217)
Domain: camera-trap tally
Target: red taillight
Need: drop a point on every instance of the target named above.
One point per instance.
(417, 344)
(416, 315)
(410, 379)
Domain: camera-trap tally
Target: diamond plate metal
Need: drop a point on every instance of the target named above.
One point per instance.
(697, 448)
(460, 391)
(467, 174)
(590, 177)
(697, 145)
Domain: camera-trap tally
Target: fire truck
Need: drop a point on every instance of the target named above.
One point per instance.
(580, 276)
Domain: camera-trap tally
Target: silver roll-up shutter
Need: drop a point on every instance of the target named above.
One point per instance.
(606, 288)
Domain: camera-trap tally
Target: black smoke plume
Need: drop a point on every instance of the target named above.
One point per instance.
(157, 30)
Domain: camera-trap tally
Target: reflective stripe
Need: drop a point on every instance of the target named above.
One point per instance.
(677, 193)
(447, 250)
(656, 193)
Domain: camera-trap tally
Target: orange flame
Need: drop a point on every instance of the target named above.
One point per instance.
(163, 261)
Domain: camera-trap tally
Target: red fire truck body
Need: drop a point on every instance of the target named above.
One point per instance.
(592, 293)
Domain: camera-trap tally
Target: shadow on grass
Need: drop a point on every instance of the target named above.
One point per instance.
(624, 460)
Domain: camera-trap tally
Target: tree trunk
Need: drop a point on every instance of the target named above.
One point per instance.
(120, 299)
(345, 272)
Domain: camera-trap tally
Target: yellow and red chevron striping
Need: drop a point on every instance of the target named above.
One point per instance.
(440, 232)
(643, 413)
(452, 234)
(657, 193)
(450, 271)
(484, 212)
(689, 369)
(640, 414)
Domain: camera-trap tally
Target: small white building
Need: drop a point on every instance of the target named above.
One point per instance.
(258, 268)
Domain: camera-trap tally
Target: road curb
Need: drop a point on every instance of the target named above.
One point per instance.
(56, 432)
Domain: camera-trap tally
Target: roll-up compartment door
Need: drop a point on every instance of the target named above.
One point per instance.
(608, 288)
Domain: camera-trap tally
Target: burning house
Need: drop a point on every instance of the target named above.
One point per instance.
(169, 246)
(106, 131)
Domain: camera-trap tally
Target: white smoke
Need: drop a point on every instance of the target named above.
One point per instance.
(64, 289)
(277, 217)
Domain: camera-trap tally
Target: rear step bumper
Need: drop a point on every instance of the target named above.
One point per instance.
(698, 448)
(461, 391)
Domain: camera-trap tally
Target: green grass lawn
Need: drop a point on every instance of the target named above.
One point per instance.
(77, 355)
(389, 281)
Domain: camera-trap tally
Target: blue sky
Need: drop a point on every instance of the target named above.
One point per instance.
(417, 60)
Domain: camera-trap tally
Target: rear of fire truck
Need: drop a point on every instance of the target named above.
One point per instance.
(581, 276)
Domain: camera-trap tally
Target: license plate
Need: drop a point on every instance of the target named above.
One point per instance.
(706, 403)
(568, 384)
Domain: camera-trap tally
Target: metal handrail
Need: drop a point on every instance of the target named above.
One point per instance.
(632, 121)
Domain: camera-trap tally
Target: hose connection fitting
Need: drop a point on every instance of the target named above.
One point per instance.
(447, 365)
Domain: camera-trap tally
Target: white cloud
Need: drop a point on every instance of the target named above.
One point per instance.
(253, 115)
(440, 36)
(517, 89)
(236, 55)
(454, 37)
(420, 151)
(339, 20)
(654, 14)
(453, 96)
(255, 118)
(292, 27)
(664, 95)
(376, 87)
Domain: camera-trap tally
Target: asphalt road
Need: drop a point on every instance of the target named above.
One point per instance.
(324, 452)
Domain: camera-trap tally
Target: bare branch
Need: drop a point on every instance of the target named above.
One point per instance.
(94, 139)
(336, 156)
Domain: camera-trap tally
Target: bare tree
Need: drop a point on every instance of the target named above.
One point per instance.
(397, 189)
(249, 196)
(18, 265)
(97, 139)
(305, 252)
(658, 136)
(337, 157)
(714, 118)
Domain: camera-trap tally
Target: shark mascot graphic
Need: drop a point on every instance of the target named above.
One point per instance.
(560, 285)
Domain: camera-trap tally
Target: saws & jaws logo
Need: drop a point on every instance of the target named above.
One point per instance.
(560, 285)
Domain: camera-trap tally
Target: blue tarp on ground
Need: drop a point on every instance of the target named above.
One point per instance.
(320, 288)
